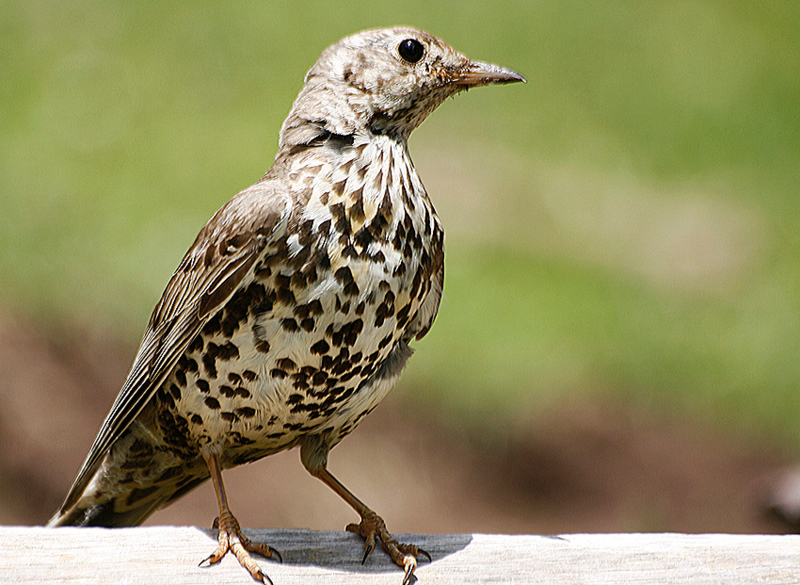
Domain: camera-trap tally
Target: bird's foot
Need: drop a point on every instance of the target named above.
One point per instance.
(232, 539)
(371, 528)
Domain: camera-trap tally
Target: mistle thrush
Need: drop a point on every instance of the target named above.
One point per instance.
(290, 317)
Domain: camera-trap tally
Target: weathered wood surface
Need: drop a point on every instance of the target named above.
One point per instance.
(171, 554)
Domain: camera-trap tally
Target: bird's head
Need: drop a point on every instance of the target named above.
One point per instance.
(383, 81)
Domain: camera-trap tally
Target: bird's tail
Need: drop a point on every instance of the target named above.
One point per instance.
(125, 489)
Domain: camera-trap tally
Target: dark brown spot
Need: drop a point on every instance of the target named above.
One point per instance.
(397, 241)
(305, 233)
(210, 361)
(286, 296)
(203, 386)
(249, 375)
(341, 225)
(343, 275)
(309, 272)
(338, 188)
(196, 345)
(320, 348)
(286, 364)
(402, 315)
(262, 272)
(325, 226)
(212, 327)
(211, 402)
(357, 208)
(166, 398)
(282, 281)
(228, 351)
(363, 238)
(191, 366)
(301, 311)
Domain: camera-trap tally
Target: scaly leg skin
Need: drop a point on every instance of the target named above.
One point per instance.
(230, 534)
(371, 527)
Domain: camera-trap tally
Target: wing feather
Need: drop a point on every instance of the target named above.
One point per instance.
(219, 262)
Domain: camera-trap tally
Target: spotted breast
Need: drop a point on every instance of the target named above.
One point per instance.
(318, 337)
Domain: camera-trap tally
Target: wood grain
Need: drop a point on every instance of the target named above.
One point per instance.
(167, 554)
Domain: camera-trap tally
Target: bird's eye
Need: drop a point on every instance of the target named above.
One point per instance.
(411, 50)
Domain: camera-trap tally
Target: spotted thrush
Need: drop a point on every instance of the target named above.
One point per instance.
(290, 317)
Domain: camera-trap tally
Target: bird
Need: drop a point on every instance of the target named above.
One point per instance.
(292, 314)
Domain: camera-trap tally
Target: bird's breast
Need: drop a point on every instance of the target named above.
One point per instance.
(297, 349)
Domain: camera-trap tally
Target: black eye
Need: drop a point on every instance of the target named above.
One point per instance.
(411, 50)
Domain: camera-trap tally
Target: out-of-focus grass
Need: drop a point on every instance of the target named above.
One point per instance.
(626, 224)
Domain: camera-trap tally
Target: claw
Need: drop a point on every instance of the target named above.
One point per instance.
(409, 565)
(368, 548)
(369, 540)
(264, 578)
(277, 553)
(231, 539)
(372, 528)
(425, 554)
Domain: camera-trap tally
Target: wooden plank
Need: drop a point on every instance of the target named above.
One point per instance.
(168, 554)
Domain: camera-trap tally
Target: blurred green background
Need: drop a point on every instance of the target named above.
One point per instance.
(625, 226)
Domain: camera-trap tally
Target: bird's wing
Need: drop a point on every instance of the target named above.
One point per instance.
(219, 262)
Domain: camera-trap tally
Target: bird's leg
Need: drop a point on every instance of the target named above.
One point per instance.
(372, 526)
(230, 534)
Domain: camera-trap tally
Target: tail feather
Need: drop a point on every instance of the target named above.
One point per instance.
(133, 480)
(102, 514)
(127, 507)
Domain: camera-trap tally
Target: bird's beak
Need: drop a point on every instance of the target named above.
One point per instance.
(478, 73)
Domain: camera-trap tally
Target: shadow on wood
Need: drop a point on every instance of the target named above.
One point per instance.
(343, 551)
